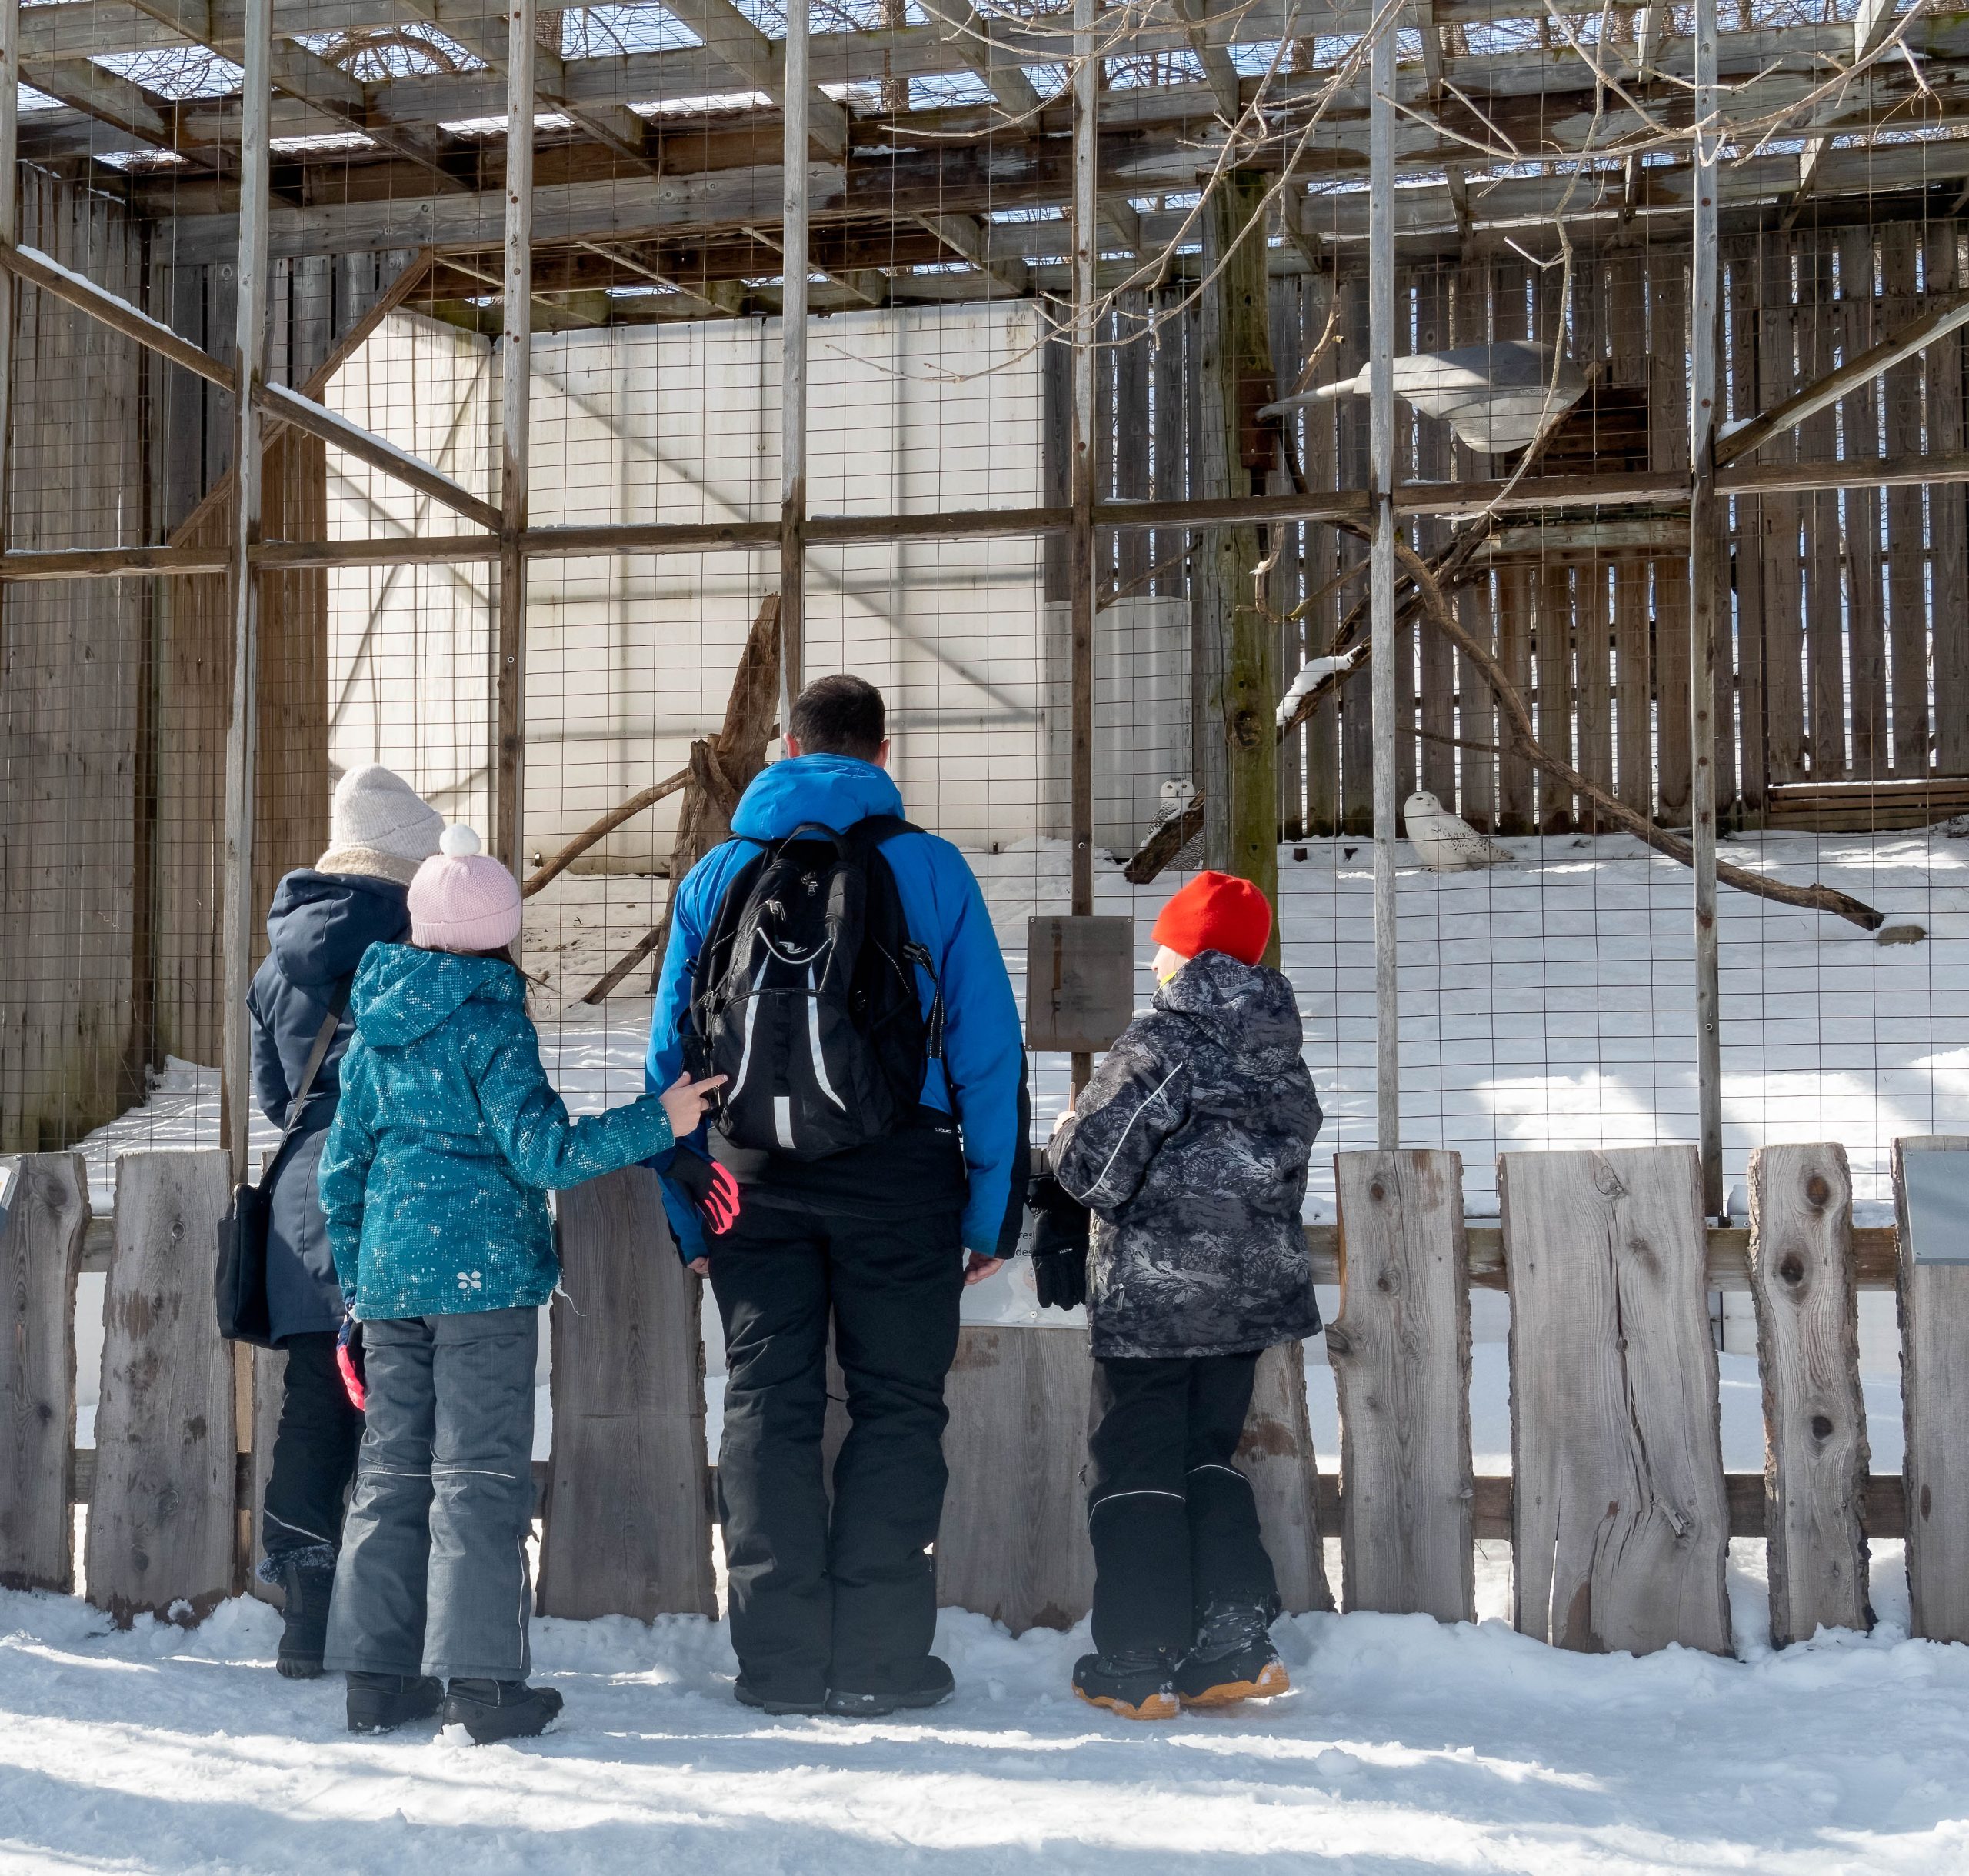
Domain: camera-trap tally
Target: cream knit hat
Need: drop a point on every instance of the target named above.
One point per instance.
(379, 825)
(462, 899)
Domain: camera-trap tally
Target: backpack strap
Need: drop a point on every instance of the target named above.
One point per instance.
(869, 834)
(323, 1039)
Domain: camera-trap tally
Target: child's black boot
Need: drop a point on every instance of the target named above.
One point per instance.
(1232, 1659)
(928, 1685)
(307, 1580)
(492, 1710)
(1137, 1684)
(380, 1703)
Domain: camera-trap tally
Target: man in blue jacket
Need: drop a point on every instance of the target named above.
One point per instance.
(837, 1614)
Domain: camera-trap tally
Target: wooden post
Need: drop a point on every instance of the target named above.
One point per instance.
(1934, 1401)
(41, 1243)
(515, 393)
(793, 366)
(627, 1516)
(1815, 1414)
(1620, 1516)
(10, 231)
(162, 1521)
(1380, 574)
(1238, 679)
(236, 936)
(1708, 568)
(1400, 1355)
(1083, 465)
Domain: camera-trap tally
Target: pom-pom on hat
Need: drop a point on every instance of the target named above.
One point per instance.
(462, 899)
(1217, 912)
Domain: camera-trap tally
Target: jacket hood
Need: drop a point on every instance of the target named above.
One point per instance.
(320, 924)
(837, 791)
(1248, 1010)
(401, 993)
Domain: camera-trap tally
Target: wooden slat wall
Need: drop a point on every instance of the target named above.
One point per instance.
(1828, 628)
(73, 661)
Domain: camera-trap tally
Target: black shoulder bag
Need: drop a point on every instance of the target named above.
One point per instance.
(240, 1289)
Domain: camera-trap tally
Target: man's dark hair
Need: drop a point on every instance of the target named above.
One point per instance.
(840, 716)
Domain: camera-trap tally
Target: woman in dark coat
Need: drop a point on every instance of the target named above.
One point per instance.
(322, 920)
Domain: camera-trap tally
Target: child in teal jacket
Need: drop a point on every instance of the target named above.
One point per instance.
(446, 1140)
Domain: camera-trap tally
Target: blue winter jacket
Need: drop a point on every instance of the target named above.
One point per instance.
(447, 1136)
(981, 1076)
(319, 926)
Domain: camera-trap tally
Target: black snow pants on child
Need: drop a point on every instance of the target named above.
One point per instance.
(1174, 1524)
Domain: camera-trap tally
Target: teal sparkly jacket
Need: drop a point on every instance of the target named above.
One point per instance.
(446, 1136)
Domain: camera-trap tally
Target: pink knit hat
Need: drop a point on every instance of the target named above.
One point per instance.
(462, 899)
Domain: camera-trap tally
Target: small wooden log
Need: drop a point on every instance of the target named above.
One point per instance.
(1276, 1454)
(1815, 1414)
(1013, 1543)
(1620, 1523)
(41, 1248)
(627, 1515)
(161, 1521)
(1401, 1356)
(1934, 1406)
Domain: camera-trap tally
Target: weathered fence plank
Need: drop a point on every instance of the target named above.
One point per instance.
(1814, 1413)
(1620, 1522)
(1276, 1454)
(41, 1246)
(1013, 1543)
(1934, 1403)
(269, 1385)
(1401, 1356)
(628, 1514)
(161, 1521)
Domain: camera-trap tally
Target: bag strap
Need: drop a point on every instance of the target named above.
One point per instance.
(323, 1039)
(869, 834)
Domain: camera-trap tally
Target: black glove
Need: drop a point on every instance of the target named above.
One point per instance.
(708, 1187)
(1059, 1245)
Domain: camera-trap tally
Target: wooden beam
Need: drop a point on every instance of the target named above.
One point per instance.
(971, 39)
(1942, 318)
(752, 56)
(1218, 71)
(515, 399)
(242, 752)
(352, 439)
(969, 239)
(44, 271)
(794, 216)
(10, 234)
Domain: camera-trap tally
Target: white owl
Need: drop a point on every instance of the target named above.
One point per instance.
(1443, 843)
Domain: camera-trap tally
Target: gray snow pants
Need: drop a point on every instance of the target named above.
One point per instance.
(432, 1577)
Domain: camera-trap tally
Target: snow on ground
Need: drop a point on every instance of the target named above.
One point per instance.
(1406, 1747)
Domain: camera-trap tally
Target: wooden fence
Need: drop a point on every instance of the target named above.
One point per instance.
(1843, 667)
(1618, 1507)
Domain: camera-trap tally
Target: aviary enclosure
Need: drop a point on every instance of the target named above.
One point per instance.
(1210, 425)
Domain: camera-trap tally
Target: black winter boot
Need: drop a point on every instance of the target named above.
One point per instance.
(930, 1686)
(1135, 1684)
(493, 1710)
(380, 1703)
(307, 1580)
(1231, 1659)
(747, 1695)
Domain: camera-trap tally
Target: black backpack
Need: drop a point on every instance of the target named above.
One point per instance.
(804, 998)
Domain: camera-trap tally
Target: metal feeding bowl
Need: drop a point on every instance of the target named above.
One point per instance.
(1497, 397)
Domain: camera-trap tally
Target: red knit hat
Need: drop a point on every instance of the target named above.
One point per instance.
(1216, 912)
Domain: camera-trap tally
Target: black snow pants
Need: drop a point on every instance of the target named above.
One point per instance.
(1174, 1524)
(314, 1452)
(843, 1599)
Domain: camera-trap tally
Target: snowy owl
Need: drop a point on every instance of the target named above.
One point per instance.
(1444, 843)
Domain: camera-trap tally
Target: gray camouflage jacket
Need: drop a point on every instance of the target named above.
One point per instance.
(1190, 1146)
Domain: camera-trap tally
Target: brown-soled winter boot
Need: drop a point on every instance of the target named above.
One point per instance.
(1136, 1684)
